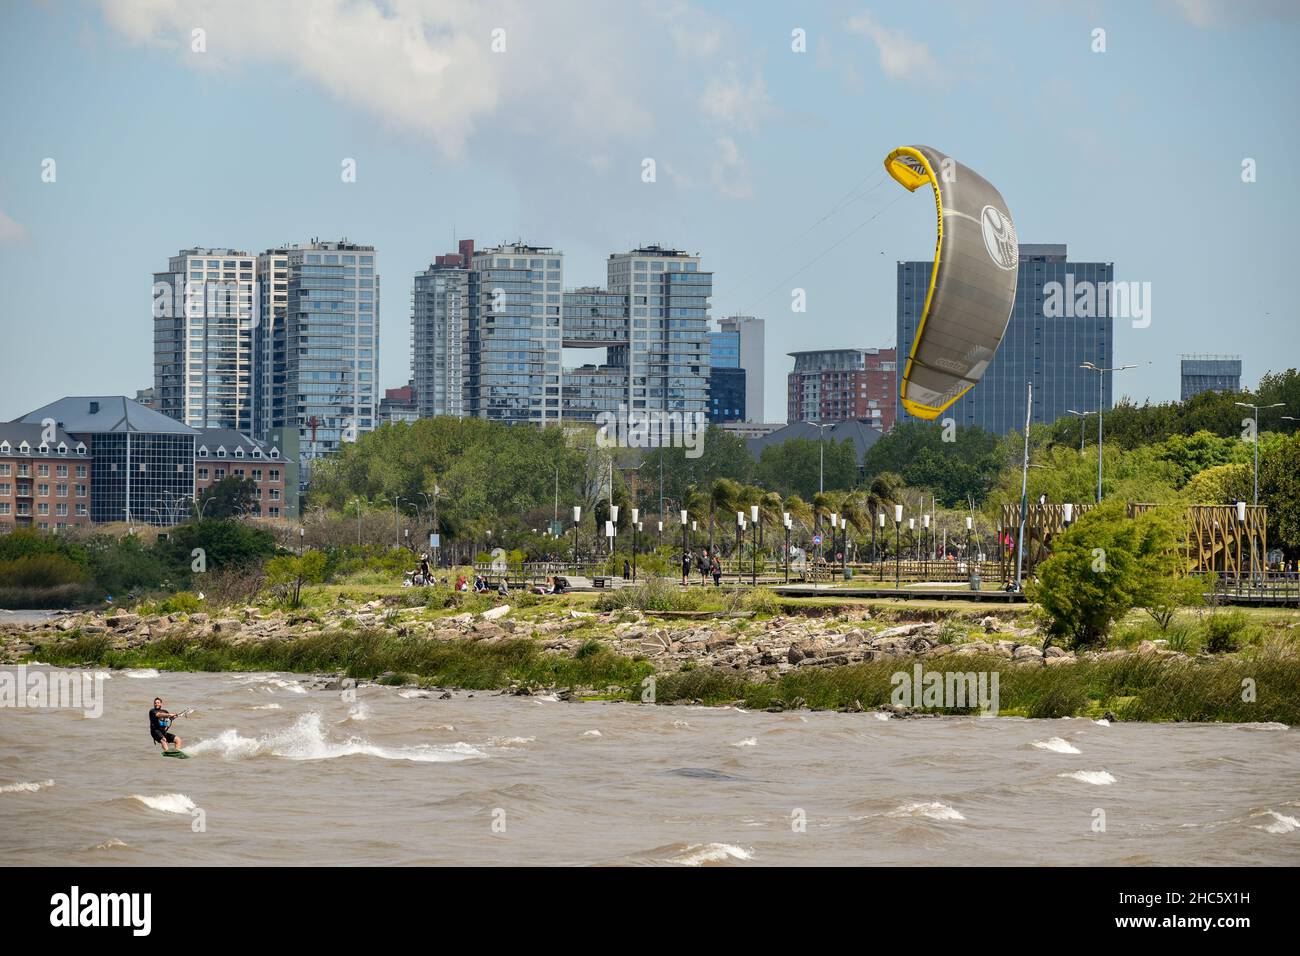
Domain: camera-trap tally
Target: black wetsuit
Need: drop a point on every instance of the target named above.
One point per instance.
(157, 727)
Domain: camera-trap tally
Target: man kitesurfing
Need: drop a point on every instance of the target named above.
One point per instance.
(159, 722)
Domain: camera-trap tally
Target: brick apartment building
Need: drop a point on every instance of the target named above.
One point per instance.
(841, 385)
(43, 484)
(223, 453)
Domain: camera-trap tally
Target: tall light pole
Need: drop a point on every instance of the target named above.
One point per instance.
(898, 544)
(686, 550)
(1024, 480)
(577, 517)
(753, 546)
(636, 534)
(1255, 409)
(1101, 392)
(1082, 425)
(785, 520)
(875, 551)
(821, 453)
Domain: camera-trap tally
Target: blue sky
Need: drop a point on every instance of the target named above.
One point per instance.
(765, 158)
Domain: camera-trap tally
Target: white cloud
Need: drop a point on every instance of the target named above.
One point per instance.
(730, 173)
(10, 230)
(901, 57)
(733, 102)
(577, 78)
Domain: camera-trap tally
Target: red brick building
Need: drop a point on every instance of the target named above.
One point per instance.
(43, 484)
(224, 453)
(840, 385)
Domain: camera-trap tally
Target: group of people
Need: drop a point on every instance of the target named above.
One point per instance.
(708, 566)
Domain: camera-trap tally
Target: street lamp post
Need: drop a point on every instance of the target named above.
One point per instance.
(636, 537)
(686, 552)
(844, 548)
(1083, 426)
(898, 544)
(753, 545)
(878, 557)
(821, 454)
(577, 517)
(1255, 409)
(785, 520)
(1101, 392)
(925, 521)
(740, 545)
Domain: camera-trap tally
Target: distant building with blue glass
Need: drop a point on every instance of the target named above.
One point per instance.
(1039, 346)
(1209, 373)
(726, 378)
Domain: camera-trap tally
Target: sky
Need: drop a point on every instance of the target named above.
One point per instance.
(1160, 136)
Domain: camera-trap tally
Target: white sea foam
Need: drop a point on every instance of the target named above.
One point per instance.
(112, 843)
(1057, 746)
(932, 811)
(166, 802)
(698, 854)
(592, 733)
(143, 673)
(680, 723)
(411, 694)
(1103, 722)
(1098, 778)
(26, 786)
(271, 706)
(306, 740)
(1279, 824)
(510, 741)
(747, 742)
(880, 715)
(358, 711)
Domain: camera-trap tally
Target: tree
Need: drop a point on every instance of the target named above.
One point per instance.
(1105, 565)
(1279, 490)
(228, 498)
(287, 573)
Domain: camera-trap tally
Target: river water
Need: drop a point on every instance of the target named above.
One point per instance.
(284, 774)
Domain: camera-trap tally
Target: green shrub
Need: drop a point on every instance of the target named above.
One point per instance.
(41, 571)
(1226, 631)
(762, 601)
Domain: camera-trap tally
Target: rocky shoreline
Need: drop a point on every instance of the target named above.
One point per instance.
(757, 650)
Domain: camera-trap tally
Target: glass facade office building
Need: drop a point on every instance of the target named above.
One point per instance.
(331, 345)
(513, 345)
(439, 309)
(1046, 350)
(668, 353)
(204, 324)
(1210, 373)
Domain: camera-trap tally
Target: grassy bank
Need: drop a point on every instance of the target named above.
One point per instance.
(1144, 687)
(474, 665)
(1134, 687)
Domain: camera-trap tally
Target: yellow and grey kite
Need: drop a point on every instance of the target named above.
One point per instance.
(972, 285)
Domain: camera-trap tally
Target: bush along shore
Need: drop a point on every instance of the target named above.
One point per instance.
(847, 661)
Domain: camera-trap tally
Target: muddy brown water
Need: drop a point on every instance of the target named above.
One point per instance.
(284, 774)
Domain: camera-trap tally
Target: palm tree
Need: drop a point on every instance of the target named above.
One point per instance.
(723, 496)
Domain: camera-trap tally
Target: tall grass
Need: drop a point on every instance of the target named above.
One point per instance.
(475, 665)
(1134, 687)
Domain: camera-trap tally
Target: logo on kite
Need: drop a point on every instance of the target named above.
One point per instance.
(1000, 238)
